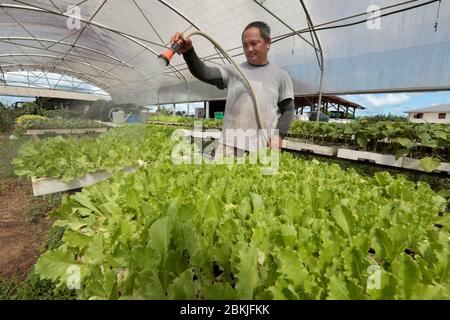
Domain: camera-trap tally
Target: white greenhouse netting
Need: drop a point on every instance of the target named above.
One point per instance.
(116, 43)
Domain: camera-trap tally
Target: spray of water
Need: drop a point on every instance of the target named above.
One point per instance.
(134, 95)
(137, 94)
(156, 68)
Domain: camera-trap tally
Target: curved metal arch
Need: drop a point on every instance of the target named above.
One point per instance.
(17, 44)
(82, 76)
(32, 7)
(85, 80)
(130, 82)
(35, 68)
(217, 56)
(319, 50)
(129, 37)
(133, 39)
(178, 12)
(284, 23)
(16, 84)
(60, 58)
(71, 45)
(319, 55)
(50, 68)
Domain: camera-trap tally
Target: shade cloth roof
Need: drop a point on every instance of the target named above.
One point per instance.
(116, 46)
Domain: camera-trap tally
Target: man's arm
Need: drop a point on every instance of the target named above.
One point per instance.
(287, 108)
(201, 71)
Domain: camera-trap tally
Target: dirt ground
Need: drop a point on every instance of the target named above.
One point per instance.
(21, 241)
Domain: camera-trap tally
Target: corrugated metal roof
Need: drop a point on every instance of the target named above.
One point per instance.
(440, 108)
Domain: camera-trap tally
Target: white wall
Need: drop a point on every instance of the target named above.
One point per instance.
(35, 92)
(430, 117)
(341, 120)
(305, 117)
(302, 117)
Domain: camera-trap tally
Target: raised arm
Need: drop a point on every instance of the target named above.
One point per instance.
(197, 67)
(201, 71)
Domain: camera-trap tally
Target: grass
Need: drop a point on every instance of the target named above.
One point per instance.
(54, 238)
(8, 151)
(39, 207)
(32, 288)
(35, 210)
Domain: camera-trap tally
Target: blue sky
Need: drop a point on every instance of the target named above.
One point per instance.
(398, 103)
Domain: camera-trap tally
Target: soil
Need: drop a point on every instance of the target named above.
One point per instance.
(21, 242)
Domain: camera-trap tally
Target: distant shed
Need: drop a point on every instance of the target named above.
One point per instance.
(436, 114)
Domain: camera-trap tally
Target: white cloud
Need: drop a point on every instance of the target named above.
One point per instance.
(350, 97)
(388, 99)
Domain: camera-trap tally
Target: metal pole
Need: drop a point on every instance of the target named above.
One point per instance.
(189, 97)
(319, 54)
(320, 94)
(157, 101)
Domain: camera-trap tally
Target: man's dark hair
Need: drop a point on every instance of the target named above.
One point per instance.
(263, 27)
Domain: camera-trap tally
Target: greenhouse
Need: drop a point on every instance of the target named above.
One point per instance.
(134, 167)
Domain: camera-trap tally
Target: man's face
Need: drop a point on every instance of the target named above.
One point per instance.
(256, 47)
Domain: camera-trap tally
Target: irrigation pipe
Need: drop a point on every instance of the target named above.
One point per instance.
(246, 80)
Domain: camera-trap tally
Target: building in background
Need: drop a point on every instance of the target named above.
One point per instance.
(436, 114)
(337, 109)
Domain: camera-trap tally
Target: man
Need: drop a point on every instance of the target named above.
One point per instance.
(272, 86)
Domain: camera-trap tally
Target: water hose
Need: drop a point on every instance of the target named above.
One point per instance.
(167, 55)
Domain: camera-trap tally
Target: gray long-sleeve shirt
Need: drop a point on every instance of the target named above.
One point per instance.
(215, 76)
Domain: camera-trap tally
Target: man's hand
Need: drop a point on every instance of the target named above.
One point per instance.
(185, 44)
(275, 142)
